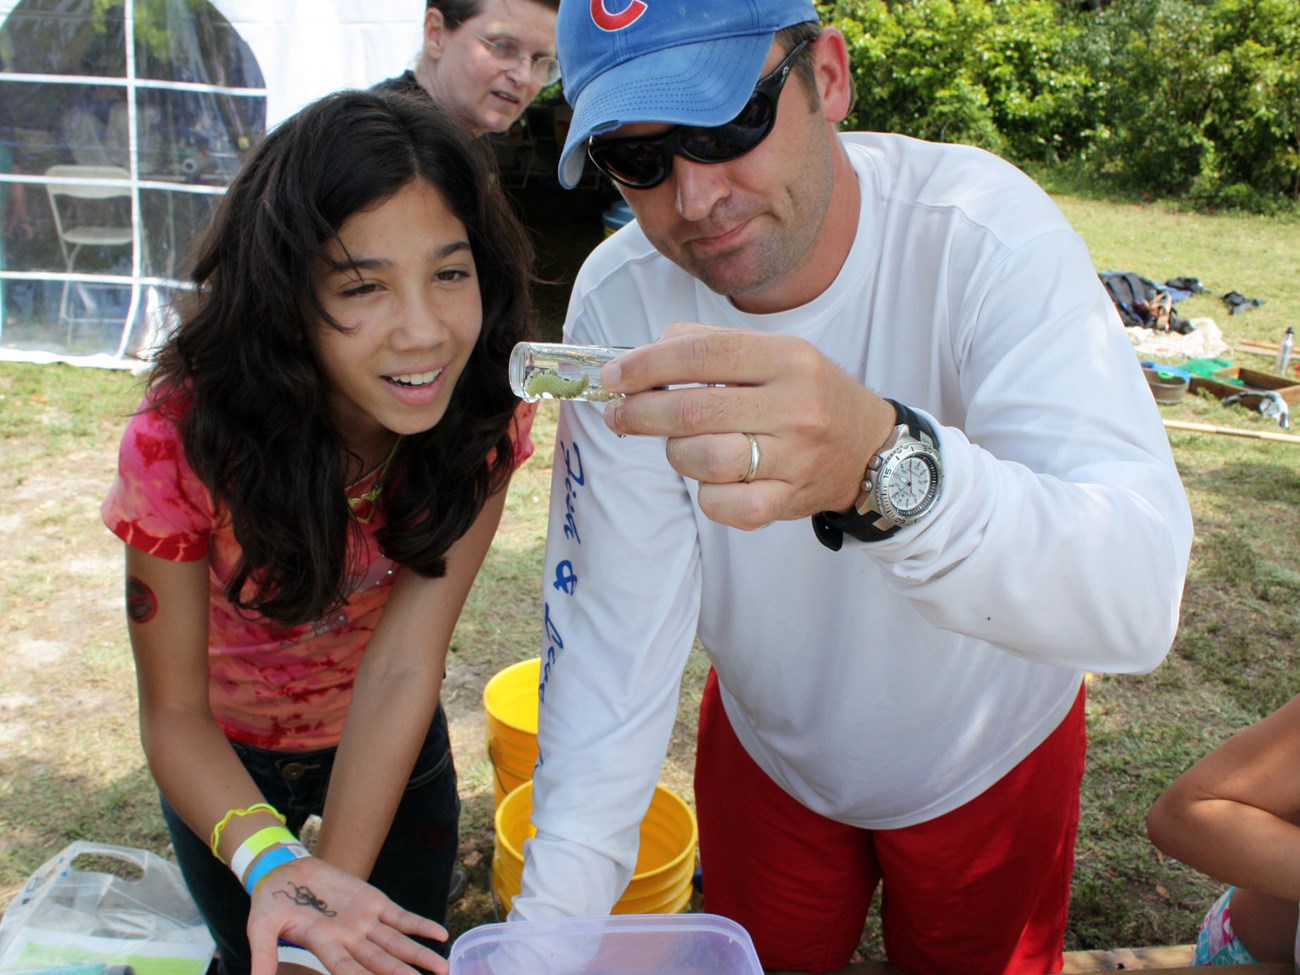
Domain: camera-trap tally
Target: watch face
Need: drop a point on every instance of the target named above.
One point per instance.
(912, 485)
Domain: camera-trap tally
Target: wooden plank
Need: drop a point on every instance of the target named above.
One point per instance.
(1284, 386)
(1230, 431)
(1263, 348)
(1159, 957)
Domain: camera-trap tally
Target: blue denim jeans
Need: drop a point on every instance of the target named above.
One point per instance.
(414, 865)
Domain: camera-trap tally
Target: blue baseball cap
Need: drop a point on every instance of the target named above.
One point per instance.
(684, 62)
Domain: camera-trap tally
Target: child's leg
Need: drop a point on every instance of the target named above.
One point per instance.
(1217, 943)
(1264, 926)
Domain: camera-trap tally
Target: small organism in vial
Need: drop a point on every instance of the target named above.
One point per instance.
(546, 382)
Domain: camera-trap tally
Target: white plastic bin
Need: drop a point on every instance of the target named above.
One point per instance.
(626, 944)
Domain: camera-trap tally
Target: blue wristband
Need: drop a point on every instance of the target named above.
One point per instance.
(268, 862)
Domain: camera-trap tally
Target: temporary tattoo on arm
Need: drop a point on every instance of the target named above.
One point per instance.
(305, 898)
(141, 603)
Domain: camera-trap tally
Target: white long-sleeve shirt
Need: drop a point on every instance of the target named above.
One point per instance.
(890, 682)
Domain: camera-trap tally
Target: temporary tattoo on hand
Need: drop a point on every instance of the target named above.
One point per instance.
(141, 603)
(305, 898)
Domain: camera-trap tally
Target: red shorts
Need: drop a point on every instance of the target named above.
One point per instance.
(982, 890)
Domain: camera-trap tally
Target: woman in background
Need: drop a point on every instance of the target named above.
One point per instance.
(484, 59)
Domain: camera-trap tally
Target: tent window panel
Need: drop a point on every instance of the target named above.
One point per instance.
(99, 269)
(189, 40)
(31, 122)
(196, 136)
(18, 156)
(174, 222)
(67, 37)
(92, 322)
(46, 126)
(92, 124)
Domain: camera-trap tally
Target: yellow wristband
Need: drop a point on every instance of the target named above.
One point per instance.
(231, 814)
(259, 842)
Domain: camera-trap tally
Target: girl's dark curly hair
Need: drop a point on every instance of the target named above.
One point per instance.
(240, 371)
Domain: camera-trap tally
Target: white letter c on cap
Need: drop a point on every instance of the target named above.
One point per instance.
(624, 18)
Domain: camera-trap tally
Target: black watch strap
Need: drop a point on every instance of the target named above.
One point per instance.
(830, 527)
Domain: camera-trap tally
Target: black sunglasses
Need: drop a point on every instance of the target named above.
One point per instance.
(642, 163)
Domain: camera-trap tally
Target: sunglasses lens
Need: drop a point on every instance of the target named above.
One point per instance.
(735, 138)
(643, 163)
(631, 162)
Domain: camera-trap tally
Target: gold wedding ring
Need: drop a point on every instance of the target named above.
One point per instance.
(754, 458)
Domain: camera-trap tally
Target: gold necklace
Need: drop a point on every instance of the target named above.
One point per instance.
(371, 496)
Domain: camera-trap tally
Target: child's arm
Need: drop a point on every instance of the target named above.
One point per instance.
(1234, 814)
(202, 778)
(193, 764)
(394, 698)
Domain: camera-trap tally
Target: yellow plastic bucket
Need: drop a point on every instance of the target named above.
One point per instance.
(661, 882)
(510, 700)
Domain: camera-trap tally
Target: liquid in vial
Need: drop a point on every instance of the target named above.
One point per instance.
(545, 370)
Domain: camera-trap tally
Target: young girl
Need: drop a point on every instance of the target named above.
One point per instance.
(306, 496)
(1235, 816)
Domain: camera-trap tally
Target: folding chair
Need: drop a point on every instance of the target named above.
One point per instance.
(87, 214)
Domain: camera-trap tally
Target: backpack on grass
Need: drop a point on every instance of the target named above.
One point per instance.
(1142, 303)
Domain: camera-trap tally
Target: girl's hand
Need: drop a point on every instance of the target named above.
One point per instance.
(345, 922)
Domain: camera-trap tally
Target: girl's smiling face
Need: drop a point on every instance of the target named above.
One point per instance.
(404, 288)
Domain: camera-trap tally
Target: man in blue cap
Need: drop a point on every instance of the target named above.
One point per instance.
(884, 449)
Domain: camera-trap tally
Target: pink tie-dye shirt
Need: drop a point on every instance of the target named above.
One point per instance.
(271, 686)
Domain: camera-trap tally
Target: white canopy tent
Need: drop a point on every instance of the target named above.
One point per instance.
(122, 121)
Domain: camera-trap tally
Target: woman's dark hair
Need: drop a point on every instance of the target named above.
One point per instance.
(252, 398)
(458, 11)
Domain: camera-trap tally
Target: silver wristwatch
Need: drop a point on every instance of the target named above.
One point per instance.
(901, 483)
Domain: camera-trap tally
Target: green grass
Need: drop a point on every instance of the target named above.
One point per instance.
(70, 764)
(1256, 255)
(1234, 659)
(34, 407)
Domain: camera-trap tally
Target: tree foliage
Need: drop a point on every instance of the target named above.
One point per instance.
(991, 73)
(1198, 98)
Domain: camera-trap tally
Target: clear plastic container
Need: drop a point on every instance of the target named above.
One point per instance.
(624, 944)
(544, 370)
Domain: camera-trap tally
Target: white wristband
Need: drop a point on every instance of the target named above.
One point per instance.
(244, 857)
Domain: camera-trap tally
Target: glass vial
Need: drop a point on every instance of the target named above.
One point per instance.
(544, 370)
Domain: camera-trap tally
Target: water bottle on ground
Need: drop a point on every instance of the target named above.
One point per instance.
(1284, 352)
